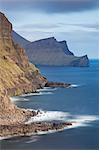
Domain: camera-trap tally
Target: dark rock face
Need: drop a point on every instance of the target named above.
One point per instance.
(57, 84)
(64, 46)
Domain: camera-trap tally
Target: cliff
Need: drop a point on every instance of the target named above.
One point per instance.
(17, 75)
(49, 51)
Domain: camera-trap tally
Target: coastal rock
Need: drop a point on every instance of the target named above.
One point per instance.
(33, 128)
(57, 84)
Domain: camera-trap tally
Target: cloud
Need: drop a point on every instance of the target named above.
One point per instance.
(82, 27)
(51, 6)
(60, 27)
(39, 26)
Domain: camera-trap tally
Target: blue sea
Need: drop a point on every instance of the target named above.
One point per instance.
(79, 103)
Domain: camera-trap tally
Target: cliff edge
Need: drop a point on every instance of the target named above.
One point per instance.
(17, 75)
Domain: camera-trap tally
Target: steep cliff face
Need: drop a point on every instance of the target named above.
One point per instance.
(17, 75)
(8, 47)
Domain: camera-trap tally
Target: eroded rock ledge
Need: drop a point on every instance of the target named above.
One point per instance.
(57, 84)
(29, 129)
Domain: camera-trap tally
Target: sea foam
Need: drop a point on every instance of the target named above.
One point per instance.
(77, 120)
(73, 86)
(36, 94)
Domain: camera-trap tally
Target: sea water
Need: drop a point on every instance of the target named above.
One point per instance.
(78, 103)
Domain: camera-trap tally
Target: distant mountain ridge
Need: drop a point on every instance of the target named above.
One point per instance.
(51, 52)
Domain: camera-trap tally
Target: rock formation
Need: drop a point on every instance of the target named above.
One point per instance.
(17, 75)
(51, 52)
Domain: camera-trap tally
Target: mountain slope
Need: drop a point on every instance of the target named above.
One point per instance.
(17, 75)
(51, 52)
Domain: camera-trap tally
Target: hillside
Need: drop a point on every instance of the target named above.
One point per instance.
(17, 75)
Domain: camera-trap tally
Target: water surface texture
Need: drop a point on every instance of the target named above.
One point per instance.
(79, 103)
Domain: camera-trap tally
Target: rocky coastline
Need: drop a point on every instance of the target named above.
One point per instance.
(31, 129)
(18, 76)
(25, 129)
(16, 125)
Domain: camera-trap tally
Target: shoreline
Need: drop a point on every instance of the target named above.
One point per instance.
(19, 128)
(35, 128)
(32, 133)
(37, 133)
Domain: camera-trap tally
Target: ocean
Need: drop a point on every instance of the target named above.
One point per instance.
(79, 103)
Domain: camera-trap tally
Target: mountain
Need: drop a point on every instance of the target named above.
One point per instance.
(19, 39)
(17, 75)
(51, 52)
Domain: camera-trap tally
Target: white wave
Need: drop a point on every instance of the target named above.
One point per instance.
(2, 138)
(36, 94)
(86, 118)
(15, 99)
(77, 120)
(32, 139)
(48, 116)
(46, 89)
(74, 86)
(6, 137)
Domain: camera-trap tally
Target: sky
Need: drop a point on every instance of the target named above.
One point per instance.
(76, 21)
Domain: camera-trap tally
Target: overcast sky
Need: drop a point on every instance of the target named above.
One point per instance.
(76, 21)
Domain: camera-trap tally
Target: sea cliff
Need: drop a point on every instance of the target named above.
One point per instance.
(17, 75)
